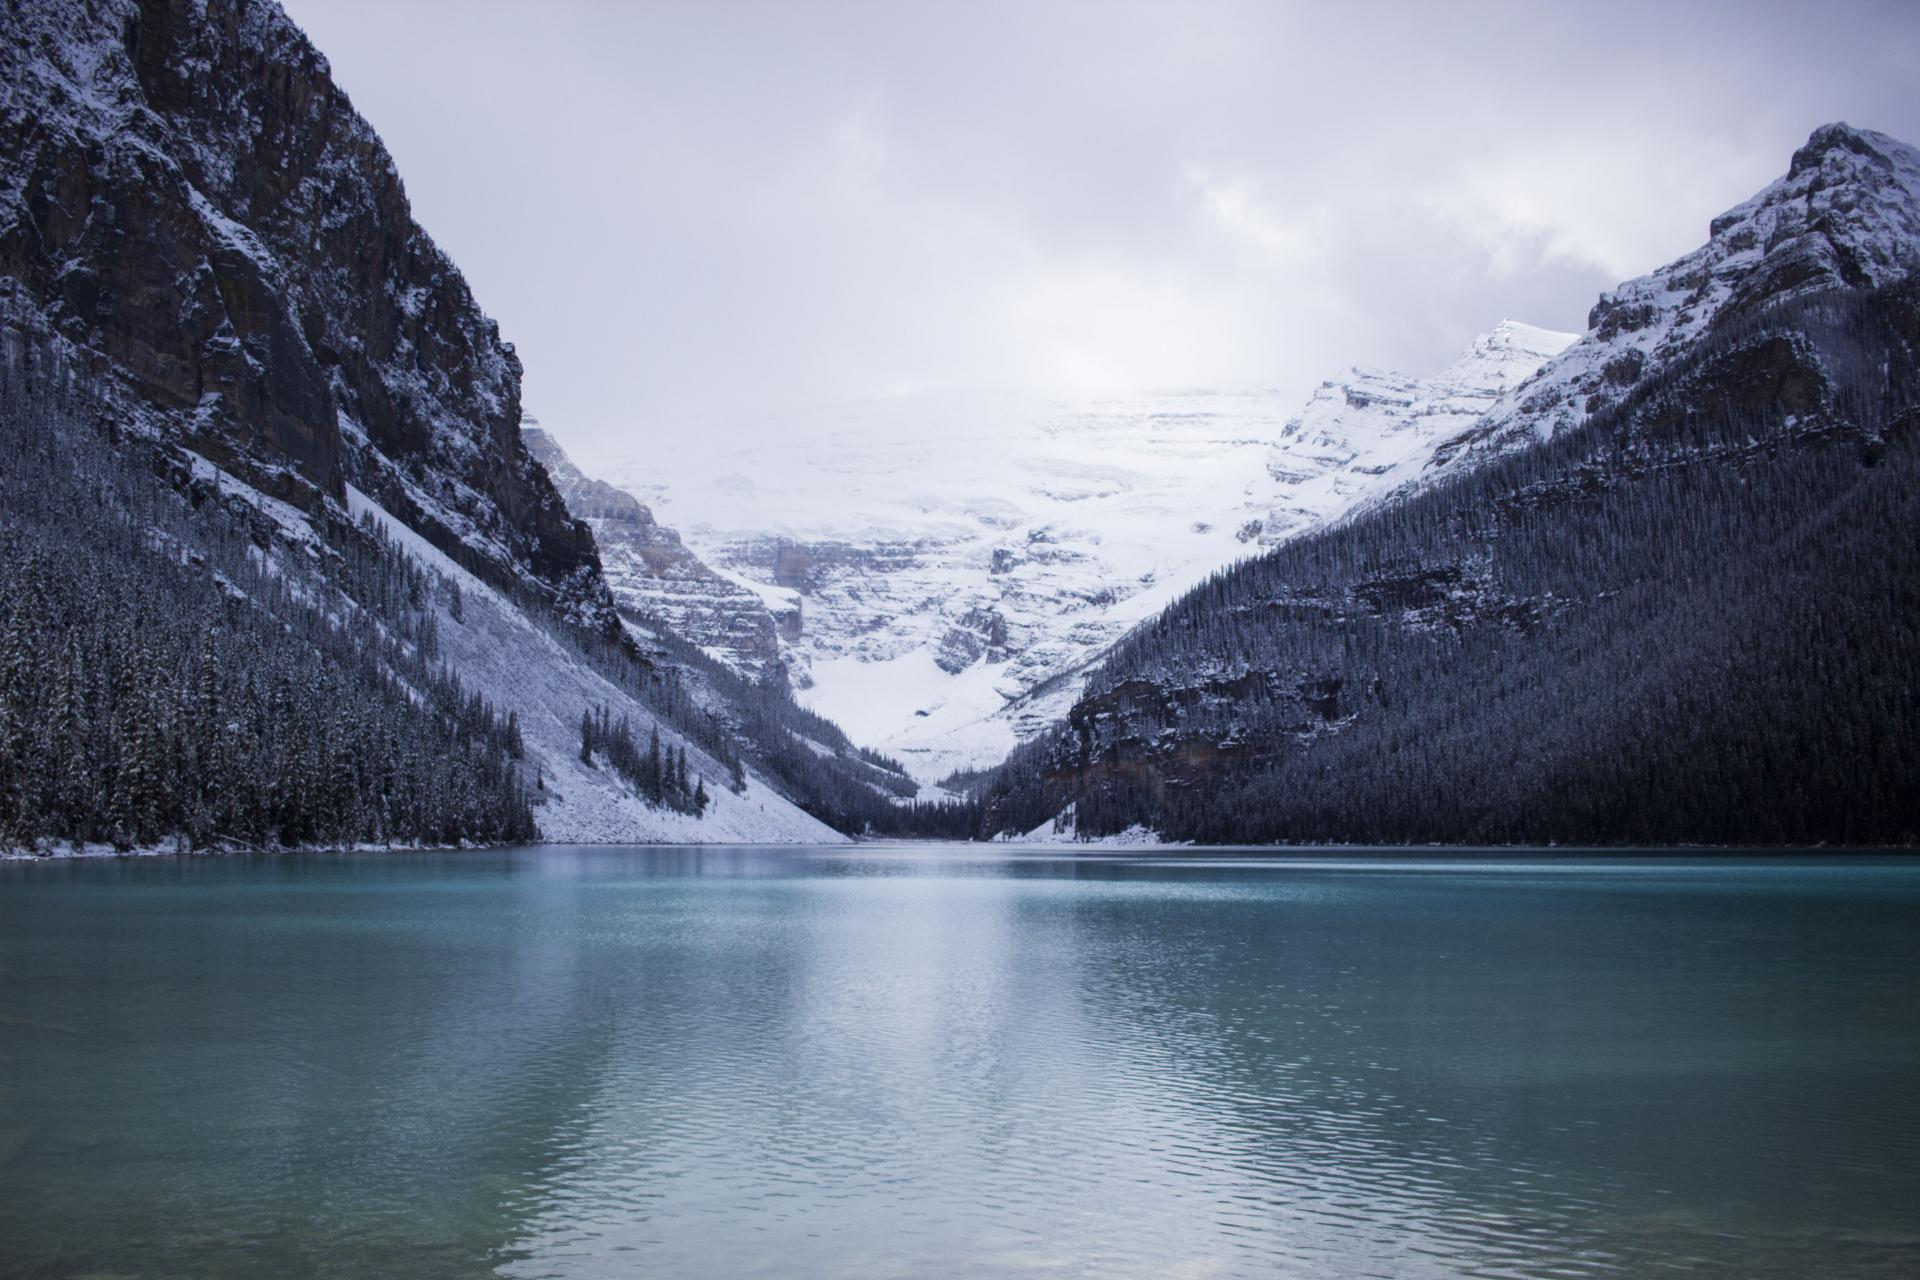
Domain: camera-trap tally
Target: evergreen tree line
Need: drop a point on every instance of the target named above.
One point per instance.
(1692, 619)
(659, 776)
(165, 677)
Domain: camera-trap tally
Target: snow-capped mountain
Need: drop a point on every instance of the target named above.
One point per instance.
(1846, 213)
(1667, 604)
(212, 251)
(1395, 421)
(942, 568)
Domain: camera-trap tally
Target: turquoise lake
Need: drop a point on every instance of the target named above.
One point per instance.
(943, 1061)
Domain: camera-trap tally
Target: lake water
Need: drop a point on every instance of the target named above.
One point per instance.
(937, 1062)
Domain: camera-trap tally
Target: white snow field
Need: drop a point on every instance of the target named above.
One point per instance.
(948, 565)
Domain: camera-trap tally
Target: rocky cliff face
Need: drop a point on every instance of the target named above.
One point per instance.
(1846, 214)
(1367, 432)
(652, 573)
(194, 207)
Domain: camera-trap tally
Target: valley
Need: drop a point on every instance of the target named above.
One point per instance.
(942, 571)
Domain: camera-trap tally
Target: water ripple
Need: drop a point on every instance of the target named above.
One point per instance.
(748, 1063)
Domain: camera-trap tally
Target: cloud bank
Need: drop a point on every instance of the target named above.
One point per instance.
(678, 211)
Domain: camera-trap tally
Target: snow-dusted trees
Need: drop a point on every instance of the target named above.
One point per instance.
(164, 677)
(1694, 619)
(659, 779)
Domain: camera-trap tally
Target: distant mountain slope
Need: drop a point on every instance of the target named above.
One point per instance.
(653, 573)
(944, 568)
(1687, 615)
(1379, 429)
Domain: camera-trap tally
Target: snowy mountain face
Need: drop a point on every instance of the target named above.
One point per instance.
(198, 213)
(653, 572)
(1847, 213)
(1396, 421)
(202, 239)
(941, 570)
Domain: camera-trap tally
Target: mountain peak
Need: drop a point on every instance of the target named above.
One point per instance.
(1845, 215)
(1527, 339)
(1839, 140)
(1846, 186)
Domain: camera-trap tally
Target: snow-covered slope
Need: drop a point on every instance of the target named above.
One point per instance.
(1395, 422)
(1846, 213)
(944, 567)
(521, 667)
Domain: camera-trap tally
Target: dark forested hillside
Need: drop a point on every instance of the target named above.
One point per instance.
(163, 677)
(1694, 618)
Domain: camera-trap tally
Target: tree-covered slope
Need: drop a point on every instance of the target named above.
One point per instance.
(1691, 618)
(165, 677)
(208, 259)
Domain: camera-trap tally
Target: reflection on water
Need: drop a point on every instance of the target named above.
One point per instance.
(930, 1062)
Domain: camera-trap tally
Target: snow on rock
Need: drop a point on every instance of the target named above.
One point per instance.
(946, 567)
(195, 208)
(521, 667)
(652, 572)
(1846, 213)
(1376, 431)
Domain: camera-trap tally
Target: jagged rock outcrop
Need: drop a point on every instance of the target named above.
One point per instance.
(196, 210)
(1847, 214)
(652, 572)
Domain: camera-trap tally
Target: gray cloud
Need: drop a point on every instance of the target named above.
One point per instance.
(683, 209)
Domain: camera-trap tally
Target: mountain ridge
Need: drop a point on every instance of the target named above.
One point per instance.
(1679, 613)
(1847, 212)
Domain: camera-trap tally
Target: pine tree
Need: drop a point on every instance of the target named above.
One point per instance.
(655, 778)
(426, 636)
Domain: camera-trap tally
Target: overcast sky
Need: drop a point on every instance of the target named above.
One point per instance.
(682, 209)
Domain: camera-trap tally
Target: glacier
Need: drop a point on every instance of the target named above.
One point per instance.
(943, 568)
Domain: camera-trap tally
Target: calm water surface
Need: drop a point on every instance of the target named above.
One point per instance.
(926, 1062)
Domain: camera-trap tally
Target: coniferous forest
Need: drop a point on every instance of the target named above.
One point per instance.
(163, 678)
(1696, 619)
